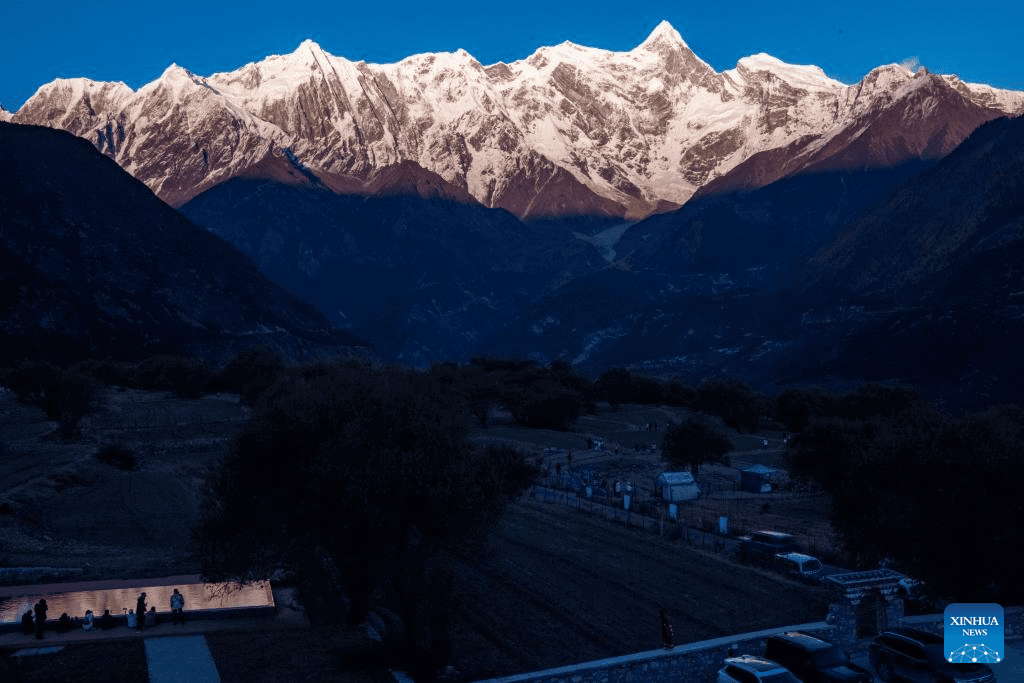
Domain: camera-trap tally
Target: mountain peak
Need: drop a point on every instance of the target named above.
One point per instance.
(175, 71)
(806, 76)
(663, 34)
(309, 45)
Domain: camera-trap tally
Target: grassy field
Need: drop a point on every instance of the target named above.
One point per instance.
(560, 586)
(564, 586)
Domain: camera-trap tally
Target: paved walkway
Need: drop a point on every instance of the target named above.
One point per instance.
(180, 659)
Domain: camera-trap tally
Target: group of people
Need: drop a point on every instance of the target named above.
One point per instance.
(137, 618)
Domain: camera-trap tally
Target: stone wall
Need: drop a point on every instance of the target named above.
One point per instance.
(696, 662)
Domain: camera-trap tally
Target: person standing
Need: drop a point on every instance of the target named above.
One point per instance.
(40, 618)
(177, 605)
(668, 637)
(140, 611)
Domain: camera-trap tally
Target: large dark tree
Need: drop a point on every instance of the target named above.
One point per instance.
(739, 406)
(693, 442)
(938, 497)
(357, 478)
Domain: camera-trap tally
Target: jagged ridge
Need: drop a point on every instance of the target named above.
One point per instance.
(570, 129)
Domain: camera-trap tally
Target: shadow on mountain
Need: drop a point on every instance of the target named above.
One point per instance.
(92, 264)
(913, 274)
(421, 279)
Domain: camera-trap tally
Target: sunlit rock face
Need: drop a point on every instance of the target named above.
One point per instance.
(568, 130)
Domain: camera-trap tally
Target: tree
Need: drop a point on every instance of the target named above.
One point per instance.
(920, 489)
(615, 386)
(735, 402)
(678, 394)
(693, 442)
(186, 377)
(357, 478)
(796, 407)
(878, 400)
(65, 395)
(479, 390)
(251, 372)
(537, 400)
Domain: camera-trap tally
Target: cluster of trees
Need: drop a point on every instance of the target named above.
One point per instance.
(551, 397)
(555, 396)
(68, 394)
(359, 479)
(936, 496)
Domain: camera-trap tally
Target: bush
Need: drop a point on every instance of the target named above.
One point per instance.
(106, 371)
(186, 377)
(64, 395)
(250, 373)
(118, 455)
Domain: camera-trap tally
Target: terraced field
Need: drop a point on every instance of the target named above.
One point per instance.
(563, 586)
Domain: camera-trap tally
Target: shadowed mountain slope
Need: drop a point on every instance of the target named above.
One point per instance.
(421, 279)
(93, 264)
(921, 282)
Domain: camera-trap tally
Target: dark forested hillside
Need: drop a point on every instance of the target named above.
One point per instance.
(421, 279)
(93, 264)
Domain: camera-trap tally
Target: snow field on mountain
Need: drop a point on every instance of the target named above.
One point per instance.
(621, 123)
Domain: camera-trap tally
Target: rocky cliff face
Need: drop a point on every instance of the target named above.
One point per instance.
(568, 130)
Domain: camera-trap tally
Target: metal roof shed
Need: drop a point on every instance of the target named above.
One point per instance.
(677, 486)
(758, 478)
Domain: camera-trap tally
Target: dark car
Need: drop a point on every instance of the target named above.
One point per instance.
(906, 654)
(814, 660)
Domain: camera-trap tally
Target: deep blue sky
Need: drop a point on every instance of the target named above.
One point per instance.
(135, 41)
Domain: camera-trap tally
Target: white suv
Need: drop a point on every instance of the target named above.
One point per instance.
(798, 563)
(750, 669)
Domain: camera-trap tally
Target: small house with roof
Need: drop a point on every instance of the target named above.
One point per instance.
(677, 486)
(759, 478)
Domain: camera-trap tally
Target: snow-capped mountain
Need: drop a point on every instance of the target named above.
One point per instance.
(5, 115)
(570, 129)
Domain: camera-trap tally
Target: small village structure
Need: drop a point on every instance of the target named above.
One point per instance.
(759, 479)
(677, 486)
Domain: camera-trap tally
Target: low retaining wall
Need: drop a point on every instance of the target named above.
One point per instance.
(696, 662)
(202, 601)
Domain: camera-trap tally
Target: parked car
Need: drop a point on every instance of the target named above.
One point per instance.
(804, 566)
(814, 660)
(906, 654)
(750, 669)
(764, 545)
